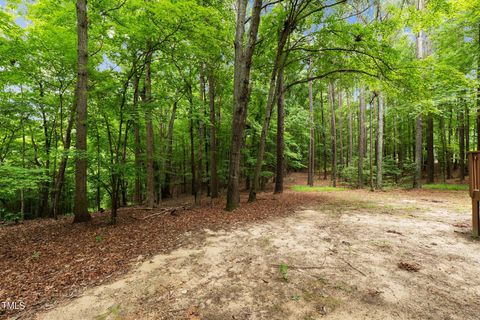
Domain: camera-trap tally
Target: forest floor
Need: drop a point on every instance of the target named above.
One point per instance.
(351, 254)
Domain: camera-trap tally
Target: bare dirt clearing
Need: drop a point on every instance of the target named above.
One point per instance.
(353, 255)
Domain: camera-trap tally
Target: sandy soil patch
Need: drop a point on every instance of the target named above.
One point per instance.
(343, 259)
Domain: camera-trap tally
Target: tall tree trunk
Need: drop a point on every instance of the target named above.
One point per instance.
(340, 127)
(206, 144)
(324, 138)
(81, 192)
(60, 179)
(361, 137)
(193, 168)
(449, 144)
(430, 149)
(255, 185)
(350, 134)
(410, 146)
(200, 144)
(150, 174)
(44, 206)
(398, 146)
(467, 129)
(161, 162)
(311, 145)
(372, 110)
(380, 142)
(418, 152)
(184, 165)
(136, 132)
(241, 93)
(213, 137)
(280, 166)
(123, 183)
(331, 99)
(98, 198)
(467, 135)
(461, 144)
(271, 99)
(419, 124)
(22, 191)
(278, 65)
(113, 173)
(444, 148)
(166, 190)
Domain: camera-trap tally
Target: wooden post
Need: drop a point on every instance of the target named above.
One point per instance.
(474, 189)
(475, 218)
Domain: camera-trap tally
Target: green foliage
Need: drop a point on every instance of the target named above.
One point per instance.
(394, 173)
(13, 179)
(36, 254)
(350, 175)
(10, 218)
(295, 297)
(192, 40)
(283, 270)
(445, 186)
(398, 173)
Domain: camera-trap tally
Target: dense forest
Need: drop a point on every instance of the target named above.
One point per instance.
(131, 102)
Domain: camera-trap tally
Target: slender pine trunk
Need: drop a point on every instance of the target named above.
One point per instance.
(380, 142)
(213, 137)
(443, 141)
(340, 128)
(311, 146)
(136, 132)
(331, 96)
(350, 132)
(430, 151)
(461, 144)
(324, 138)
(361, 137)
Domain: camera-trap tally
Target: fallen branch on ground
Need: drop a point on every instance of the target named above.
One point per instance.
(349, 264)
(171, 210)
(298, 267)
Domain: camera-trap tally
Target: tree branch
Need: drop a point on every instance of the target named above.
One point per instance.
(321, 76)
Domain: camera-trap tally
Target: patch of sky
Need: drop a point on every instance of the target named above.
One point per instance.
(108, 64)
(20, 20)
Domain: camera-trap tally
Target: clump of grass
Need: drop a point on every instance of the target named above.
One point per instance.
(295, 297)
(283, 269)
(445, 186)
(113, 312)
(300, 188)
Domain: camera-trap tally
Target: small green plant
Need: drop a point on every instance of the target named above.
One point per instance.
(114, 312)
(12, 217)
(295, 297)
(283, 269)
(36, 254)
(98, 238)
